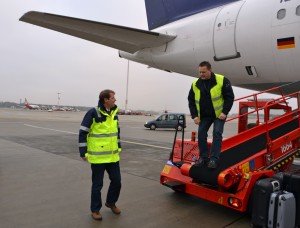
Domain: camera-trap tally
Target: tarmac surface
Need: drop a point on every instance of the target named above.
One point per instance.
(44, 182)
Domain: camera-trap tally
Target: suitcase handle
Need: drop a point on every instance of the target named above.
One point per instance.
(276, 185)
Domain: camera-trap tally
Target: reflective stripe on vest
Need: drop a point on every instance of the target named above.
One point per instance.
(103, 135)
(102, 152)
(215, 93)
(102, 140)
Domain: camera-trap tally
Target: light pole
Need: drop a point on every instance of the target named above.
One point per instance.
(58, 98)
(126, 101)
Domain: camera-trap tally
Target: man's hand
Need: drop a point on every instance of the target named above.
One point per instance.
(222, 116)
(196, 120)
(84, 158)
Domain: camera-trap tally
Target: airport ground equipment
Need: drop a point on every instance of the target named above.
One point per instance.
(267, 141)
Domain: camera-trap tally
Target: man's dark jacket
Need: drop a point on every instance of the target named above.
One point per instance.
(206, 105)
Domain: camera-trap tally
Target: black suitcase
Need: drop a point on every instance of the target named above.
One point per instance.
(290, 181)
(280, 177)
(261, 199)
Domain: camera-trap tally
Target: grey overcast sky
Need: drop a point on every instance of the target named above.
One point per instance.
(37, 63)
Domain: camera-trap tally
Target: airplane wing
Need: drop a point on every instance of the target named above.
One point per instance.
(123, 38)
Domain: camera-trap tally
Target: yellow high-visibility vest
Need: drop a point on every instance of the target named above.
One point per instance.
(102, 140)
(215, 93)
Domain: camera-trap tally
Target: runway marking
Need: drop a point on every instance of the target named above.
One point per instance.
(149, 145)
(50, 129)
(73, 133)
(133, 127)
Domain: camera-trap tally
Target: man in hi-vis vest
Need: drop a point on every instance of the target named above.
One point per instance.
(210, 100)
(99, 144)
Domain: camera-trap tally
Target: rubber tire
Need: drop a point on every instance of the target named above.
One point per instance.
(179, 128)
(152, 127)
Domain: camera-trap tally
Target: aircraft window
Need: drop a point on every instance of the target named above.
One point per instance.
(281, 14)
(298, 11)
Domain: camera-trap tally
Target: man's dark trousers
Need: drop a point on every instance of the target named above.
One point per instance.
(204, 126)
(113, 170)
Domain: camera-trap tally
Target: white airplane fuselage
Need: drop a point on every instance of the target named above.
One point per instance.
(34, 107)
(254, 43)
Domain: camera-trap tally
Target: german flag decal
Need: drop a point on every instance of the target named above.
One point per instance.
(286, 43)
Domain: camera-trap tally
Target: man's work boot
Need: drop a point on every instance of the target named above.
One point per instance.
(113, 208)
(96, 215)
(212, 164)
(200, 162)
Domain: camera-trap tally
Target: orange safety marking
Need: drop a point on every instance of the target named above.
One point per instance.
(220, 200)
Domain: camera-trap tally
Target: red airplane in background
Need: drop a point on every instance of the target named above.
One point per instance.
(30, 106)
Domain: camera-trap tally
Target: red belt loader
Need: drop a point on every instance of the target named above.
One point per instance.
(261, 147)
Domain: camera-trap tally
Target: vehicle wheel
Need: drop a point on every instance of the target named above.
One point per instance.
(179, 128)
(152, 127)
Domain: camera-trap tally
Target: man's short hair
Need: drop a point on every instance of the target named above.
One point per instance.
(205, 63)
(105, 94)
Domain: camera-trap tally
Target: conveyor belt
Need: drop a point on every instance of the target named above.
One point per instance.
(239, 153)
(284, 129)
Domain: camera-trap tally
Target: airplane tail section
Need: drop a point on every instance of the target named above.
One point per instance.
(26, 104)
(161, 12)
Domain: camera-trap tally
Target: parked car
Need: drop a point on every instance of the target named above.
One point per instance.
(167, 120)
